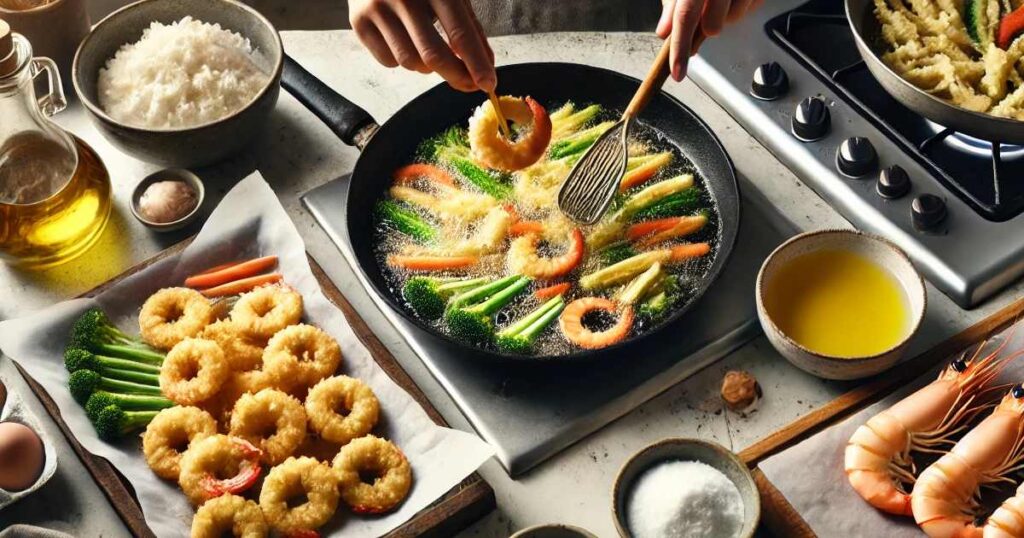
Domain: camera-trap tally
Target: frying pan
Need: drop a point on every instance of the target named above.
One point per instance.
(867, 34)
(394, 143)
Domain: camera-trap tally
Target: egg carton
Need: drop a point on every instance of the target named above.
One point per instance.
(15, 410)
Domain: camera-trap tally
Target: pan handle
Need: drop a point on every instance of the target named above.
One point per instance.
(352, 124)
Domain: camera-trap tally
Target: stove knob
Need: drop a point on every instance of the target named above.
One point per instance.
(856, 157)
(928, 211)
(770, 82)
(893, 182)
(812, 119)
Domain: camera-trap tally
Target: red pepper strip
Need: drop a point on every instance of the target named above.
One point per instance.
(1010, 27)
(409, 173)
(552, 291)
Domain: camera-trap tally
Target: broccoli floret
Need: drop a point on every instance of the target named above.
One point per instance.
(93, 331)
(85, 382)
(663, 296)
(672, 205)
(428, 295)
(453, 139)
(471, 315)
(405, 220)
(520, 336)
(113, 423)
(616, 252)
(101, 399)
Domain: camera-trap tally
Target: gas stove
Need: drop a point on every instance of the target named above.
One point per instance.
(791, 74)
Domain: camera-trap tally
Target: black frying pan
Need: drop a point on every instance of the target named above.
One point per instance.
(394, 143)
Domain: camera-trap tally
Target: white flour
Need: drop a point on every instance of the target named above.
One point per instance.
(684, 499)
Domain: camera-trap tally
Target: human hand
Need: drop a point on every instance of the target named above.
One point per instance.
(402, 32)
(681, 19)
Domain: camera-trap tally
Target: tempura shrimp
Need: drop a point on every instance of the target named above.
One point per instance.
(170, 434)
(342, 408)
(243, 351)
(944, 498)
(571, 322)
(373, 455)
(878, 456)
(218, 465)
(272, 420)
(301, 355)
(1008, 520)
(524, 259)
(194, 370)
(229, 514)
(172, 315)
(266, 310)
(294, 479)
(494, 150)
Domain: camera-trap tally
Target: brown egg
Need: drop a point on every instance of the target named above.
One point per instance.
(21, 456)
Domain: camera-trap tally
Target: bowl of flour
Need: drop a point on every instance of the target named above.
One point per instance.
(685, 488)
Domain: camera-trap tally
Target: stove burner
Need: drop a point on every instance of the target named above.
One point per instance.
(976, 146)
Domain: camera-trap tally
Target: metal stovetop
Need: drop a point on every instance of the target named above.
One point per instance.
(968, 257)
(531, 412)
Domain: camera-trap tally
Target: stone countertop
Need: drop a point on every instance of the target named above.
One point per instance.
(295, 153)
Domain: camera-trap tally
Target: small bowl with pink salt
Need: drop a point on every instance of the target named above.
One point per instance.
(683, 488)
(168, 200)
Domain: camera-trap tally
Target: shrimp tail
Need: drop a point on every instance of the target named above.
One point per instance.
(880, 491)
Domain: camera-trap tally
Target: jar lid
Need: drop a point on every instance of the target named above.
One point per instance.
(8, 54)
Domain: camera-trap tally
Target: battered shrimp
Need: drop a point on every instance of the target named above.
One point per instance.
(373, 455)
(301, 355)
(524, 259)
(495, 151)
(1008, 520)
(217, 465)
(341, 409)
(194, 370)
(172, 315)
(266, 310)
(878, 456)
(229, 514)
(571, 322)
(294, 479)
(243, 351)
(170, 434)
(272, 420)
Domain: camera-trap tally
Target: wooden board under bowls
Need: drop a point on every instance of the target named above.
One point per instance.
(467, 502)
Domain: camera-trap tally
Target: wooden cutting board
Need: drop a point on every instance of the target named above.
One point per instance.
(778, 516)
(467, 502)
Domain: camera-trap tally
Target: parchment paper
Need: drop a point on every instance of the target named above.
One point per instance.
(810, 475)
(248, 222)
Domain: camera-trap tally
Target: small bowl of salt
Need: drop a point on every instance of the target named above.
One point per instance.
(685, 488)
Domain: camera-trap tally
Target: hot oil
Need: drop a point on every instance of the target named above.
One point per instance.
(50, 212)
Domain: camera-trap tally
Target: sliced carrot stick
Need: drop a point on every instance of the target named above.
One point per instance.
(644, 172)
(686, 226)
(411, 172)
(236, 287)
(237, 271)
(552, 291)
(640, 229)
(431, 263)
(689, 250)
(220, 267)
(524, 227)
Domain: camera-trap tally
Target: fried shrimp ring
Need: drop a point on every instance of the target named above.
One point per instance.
(243, 351)
(217, 465)
(266, 310)
(303, 354)
(495, 151)
(293, 479)
(272, 420)
(229, 514)
(344, 393)
(194, 371)
(372, 455)
(170, 434)
(172, 315)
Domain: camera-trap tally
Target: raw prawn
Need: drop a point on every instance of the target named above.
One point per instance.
(495, 151)
(229, 514)
(170, 433)
(301, 355)
(172, 315)
(194, 370)
(294, 479)
(524, 259)
(271, 420)
(218, 465)
(944, 498)
(571, 322)
(1008, 520)
(266, 310)
(342, 408)
(373, 455)
(877, 458)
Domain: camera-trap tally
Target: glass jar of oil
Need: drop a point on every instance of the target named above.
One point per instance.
(54, 190)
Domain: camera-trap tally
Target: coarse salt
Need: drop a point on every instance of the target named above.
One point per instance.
(684, 499)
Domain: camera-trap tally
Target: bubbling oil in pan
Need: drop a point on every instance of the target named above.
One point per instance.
(690, 274)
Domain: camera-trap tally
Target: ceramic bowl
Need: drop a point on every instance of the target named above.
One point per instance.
(554, 530)
(180, 147)
(878, 250)
(179, 174)
(680, 449)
